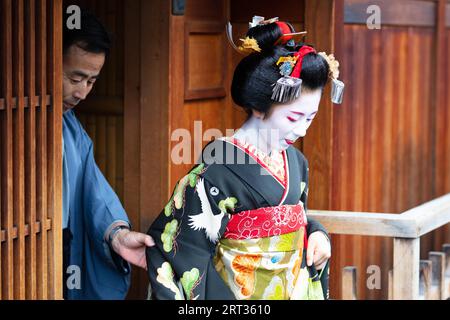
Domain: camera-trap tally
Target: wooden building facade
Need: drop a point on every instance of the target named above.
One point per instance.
(30, 149)
(383, 150)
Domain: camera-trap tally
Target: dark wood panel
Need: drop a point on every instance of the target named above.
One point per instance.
(205, 59)
(101, 105)
(288, 10)
(204, 10)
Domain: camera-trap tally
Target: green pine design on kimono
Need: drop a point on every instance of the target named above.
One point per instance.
(228, 204)
(189, 281)
(168, 236)
(177, 198)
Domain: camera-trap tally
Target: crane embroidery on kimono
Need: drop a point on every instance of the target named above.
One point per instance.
(206, 220)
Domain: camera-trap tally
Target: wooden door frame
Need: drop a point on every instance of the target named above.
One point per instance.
(326, 34)
(146, 117)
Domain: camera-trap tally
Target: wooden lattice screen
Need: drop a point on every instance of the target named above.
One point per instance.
(30, 149)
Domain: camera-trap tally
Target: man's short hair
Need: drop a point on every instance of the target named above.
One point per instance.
(91, 37)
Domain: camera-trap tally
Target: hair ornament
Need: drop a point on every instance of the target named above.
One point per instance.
(258, 20)
(249, 45)
(332, 63)
(287, 65)
(229, 32)
(289, 86)
(337, 86)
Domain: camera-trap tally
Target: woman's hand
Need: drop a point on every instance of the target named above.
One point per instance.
(319, 250)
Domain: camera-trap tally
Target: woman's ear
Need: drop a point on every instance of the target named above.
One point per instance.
(258, 114)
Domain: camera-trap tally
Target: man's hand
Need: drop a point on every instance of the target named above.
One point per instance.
(131, 246)
(319, 250)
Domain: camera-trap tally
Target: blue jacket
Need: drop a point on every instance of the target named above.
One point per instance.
(92, 208)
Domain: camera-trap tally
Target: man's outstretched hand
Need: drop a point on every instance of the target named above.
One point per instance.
(130, 245)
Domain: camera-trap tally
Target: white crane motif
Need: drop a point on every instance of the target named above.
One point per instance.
(206, 219)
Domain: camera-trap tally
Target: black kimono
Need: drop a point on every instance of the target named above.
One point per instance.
(235, 228)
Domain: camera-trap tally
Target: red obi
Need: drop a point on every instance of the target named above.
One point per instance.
(266, 222)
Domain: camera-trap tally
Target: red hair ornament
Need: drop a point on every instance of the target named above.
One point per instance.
(289, 86)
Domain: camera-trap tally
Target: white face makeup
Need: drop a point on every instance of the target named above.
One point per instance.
(292, 120)
(285, 123)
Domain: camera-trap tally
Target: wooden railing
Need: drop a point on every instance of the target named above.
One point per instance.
(405, 229)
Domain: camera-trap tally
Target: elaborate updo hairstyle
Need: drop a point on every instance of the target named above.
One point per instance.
(256, 74)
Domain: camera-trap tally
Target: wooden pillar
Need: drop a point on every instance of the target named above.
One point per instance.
(425, 279)
(438, 274)
(145, 117)
(317, 146)
(324, 22)
(55, 142)
(390, 285)
(349, 291)
(446, 250)
(439, 108)
(406, 269)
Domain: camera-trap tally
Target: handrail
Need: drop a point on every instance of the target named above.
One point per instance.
(412, 223)
(405, 229)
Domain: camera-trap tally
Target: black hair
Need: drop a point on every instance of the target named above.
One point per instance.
(256, 74)
(91, 37)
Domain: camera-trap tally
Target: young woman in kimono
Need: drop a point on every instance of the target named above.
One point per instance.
(235, 226)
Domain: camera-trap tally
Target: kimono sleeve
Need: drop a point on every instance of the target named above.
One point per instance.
(180, 265)
(313, 225)
(101, 207)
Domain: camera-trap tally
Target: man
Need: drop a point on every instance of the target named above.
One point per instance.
(98, 243)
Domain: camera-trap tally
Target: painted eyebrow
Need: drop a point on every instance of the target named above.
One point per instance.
(302, 114)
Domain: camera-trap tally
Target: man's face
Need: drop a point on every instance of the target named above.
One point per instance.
(81, 70)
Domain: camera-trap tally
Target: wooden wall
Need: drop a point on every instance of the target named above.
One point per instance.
(30, 149)
(390, 141)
